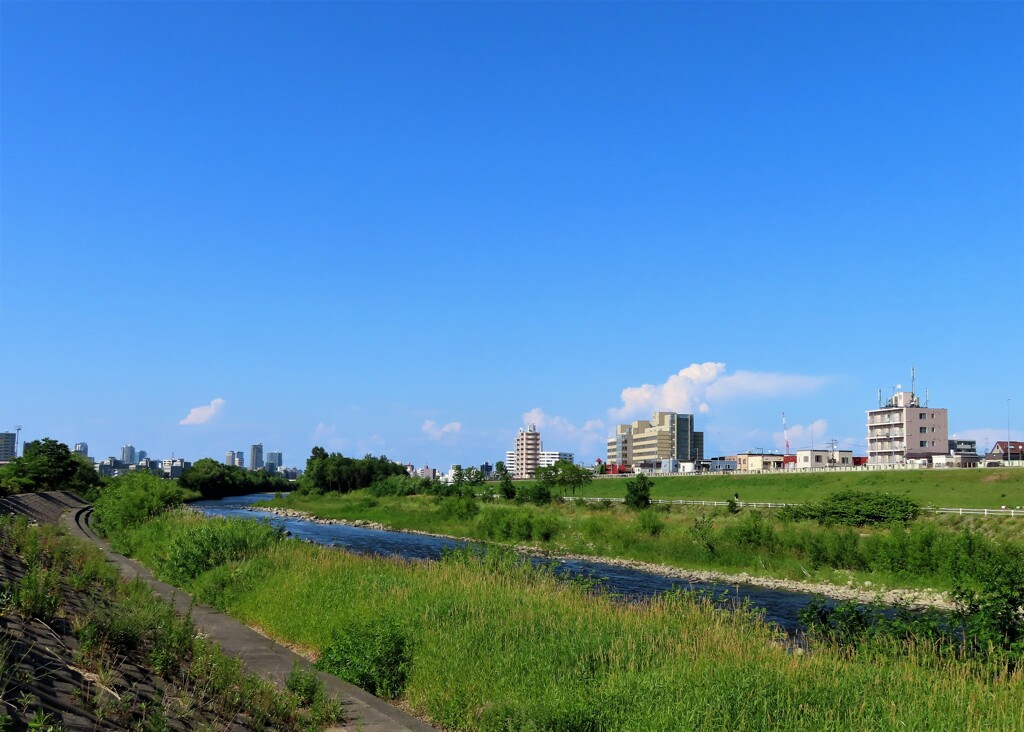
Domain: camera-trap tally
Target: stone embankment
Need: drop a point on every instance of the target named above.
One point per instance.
(866, 592)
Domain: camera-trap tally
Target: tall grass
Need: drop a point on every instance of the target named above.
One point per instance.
(496, 645)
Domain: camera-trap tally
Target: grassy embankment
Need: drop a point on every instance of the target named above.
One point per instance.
(988, 488)
(490, 644)
(759, 543)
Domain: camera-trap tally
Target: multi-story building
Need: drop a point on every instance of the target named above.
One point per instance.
(666, 436)
(903, 430)
(174, 467)
(239, 459)
(128, 454)
(8, 446)
(229, 457)
(526, 455)
(545, 459)
(256, 456)
(274, 458)
(963, 447)
(81, 448)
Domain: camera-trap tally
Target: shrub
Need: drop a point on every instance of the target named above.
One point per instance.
(304, 684)
(535, 492)
(399, 485)
(456, 507)
(649, 523)
(375, 655)
(213, 543)
(638, 492)
(861, 508)
(132, 499)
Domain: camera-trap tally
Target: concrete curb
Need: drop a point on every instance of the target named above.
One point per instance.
(259, 654)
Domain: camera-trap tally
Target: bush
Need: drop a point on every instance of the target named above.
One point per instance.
(399, 485)
(375, 655)
(638, 492)
(534, 492)
(455, 507)
(132, 499)
(855, 508)
(649, 523)
(213, 543)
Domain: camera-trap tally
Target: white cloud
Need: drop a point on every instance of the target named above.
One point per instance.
(696, 387)
(203, 414)
(802, 436)
(435, 432)
(559, 433)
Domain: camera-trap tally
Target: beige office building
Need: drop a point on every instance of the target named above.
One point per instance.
(646, 442)
(526, 454)
(904, 430)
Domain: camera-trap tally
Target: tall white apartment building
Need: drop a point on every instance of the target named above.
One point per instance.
(904, 430)
(526, 455)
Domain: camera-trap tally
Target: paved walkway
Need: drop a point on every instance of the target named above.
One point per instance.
(260, 655)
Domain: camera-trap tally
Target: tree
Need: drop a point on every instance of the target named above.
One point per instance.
(638, 492)
(508, 490)
(48, 465)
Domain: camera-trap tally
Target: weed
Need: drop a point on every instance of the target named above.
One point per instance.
(373, 654)
(38, 594)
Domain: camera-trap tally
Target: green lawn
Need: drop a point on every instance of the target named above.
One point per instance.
(988, 488)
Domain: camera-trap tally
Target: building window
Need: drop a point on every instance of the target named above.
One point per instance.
(924, 430)
(924, 443)
(817, 458)
(921, 415)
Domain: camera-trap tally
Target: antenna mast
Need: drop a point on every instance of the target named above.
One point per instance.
(785, 433)
(17, 439)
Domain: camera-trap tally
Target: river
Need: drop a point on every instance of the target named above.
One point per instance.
(779, 606)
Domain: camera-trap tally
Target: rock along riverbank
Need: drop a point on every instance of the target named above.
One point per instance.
(859, 593)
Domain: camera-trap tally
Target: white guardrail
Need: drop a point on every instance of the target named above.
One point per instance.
(1015, 512)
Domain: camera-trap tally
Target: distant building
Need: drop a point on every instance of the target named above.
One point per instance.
(963, 447)
(526, 455)
(807, 459)
(81, 448)
(174, 467)
(754, 461)
(229, 457)
(903, 431)
(8, 446)
(256, 456)
(721, 465)
(646, 443)
(239, 459)
(427, 472)
(545, 459)
(128, 454)
(274, 458)
(1000, 451)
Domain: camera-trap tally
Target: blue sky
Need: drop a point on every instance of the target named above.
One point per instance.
(411, 228)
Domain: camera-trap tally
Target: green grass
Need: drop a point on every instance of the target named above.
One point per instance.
(497, 646)
(981, 488)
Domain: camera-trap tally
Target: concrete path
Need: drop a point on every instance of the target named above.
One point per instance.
(260, 655)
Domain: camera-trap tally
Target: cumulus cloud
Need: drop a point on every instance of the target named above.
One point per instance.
(695, 387)
(204, 413)
(563, 435)
(802, 436)
(435, 432)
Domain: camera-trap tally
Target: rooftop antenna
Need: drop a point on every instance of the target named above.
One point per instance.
(785, 433)
(879, 397)
(913, 379)
(17, 438)
(926, 396)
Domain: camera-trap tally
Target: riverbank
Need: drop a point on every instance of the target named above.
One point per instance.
(865, 594)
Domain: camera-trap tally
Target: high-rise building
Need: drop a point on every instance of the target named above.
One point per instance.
(8, 446)
(526, 455)
(274, 458)
(666, 436)
(128, 454)
(256, 456)
(239, 459)
(904, 430)
(229, 458)
(81, 448)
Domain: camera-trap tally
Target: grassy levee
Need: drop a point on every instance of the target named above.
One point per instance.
(981, 488)
(494, 645)
(758, 543)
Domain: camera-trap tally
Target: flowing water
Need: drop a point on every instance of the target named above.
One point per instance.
(779, 606)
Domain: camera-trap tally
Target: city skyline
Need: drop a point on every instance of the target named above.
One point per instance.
(457, 220)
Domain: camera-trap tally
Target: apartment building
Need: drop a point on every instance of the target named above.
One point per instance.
(646, 442)
(523, 461)
(903, 430)
(806, 459)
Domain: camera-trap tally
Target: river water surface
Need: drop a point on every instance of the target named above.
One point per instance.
(779, 606)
